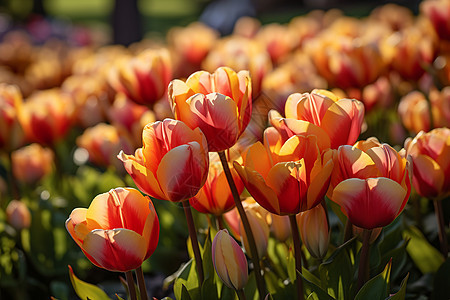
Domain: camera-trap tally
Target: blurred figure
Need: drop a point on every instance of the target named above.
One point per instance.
(126, 22)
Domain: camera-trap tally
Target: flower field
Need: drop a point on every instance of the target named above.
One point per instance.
(305, 160)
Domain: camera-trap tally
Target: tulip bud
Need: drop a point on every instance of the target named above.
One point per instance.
(314, 230)
(260, 229)
(229, 261)
(18, 215)
(280, 227)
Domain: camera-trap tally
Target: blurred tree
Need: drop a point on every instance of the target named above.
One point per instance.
(126, 22)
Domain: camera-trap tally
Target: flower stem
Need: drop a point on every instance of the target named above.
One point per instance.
(441, 225)
(220, 224)
(363, 271)
(297, 253)
(131, 287)
(241, 295)
(251, 239)
(348, 231)
(141, 283)
(194, 241)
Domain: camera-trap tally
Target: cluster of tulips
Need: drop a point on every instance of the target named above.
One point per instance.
(299, 144)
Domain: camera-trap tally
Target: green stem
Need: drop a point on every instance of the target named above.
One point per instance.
(241, 294)
(363, 271)
(251, 239)
(297, 254)
(220, 224)
(194, 241)
(12, 178)
(438, 210)
(131, 286)
(141, 283)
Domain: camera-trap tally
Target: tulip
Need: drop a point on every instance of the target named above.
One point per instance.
(371, 182)
(430, 154)
(10, 130)
(47, 116)
(215, 196)
(103, 142)
(278, 40)
(18, 215)
(315, 231)
(439, 13)
(240, 53)
(289, 179)
(130, 117)
(219, 104)
(280, 227)
(143, 78)
(341, 119)
(118, 231)
(31, 163)
(173, 162)
(260, 229)
(229, 261)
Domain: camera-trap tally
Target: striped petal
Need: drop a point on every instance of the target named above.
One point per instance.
(356, 163)
(216, 115)
(118, 250)
(182, 172)
(144, 179)
(428, 179)
(370, 203)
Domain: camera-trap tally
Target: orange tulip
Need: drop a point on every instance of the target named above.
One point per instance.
(10, 130)
(118, 231)
(314, 229)
(31, 163)
(229, 261)
(103, 142)
(430, 154)
(143, 78)
(340, 119)
(46, 116)
(173, 162)
(371, 182)
(286, 179)
(219, 104)
(215, 196)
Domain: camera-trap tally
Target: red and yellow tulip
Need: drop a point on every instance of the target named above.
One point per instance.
(215, 196)
(289, 179)
(220, 104)
(371, 182)
(31, 163)
(118, 231)
(314, 229)
(430, 154)
(173, 162)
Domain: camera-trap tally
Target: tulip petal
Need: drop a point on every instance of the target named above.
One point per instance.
(258, 188)
(319, 182)
(370, 203)
(142, 177)
(116, 250)
(288, 181)
(257, 159)
(356, 163)
(216, 115)
(181, 172)
(428, 177)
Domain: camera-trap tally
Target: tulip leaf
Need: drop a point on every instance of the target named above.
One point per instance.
(442, 282)
(427, 258)
(208, 266)
(209, 289)
(336, 273)
(184, 293)
(86, 290)
(250, 290)
(291, 266)
(314, 291)
(377, 287)
(400, 295)
(187, 277)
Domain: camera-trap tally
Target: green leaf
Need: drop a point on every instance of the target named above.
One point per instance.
(292, 273)
(377, 287)
(427, 258)
(314, 291)
(184, 293)
(400, 295)
(209, 289)
(336, 273)
(441, 282)
(208, 266)
(187, 278)
(119, 298)
(86, 290)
